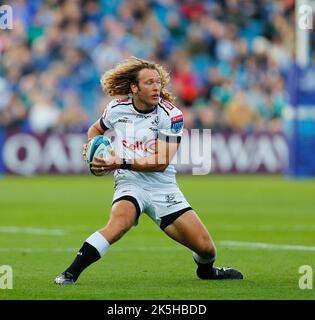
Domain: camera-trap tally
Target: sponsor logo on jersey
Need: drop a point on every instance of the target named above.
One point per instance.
(143, 116)
(125, 120)
(147, 146)
(177, 123)
(156, 121)
(167, 104)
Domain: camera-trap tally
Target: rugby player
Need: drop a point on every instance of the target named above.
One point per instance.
(148, 128)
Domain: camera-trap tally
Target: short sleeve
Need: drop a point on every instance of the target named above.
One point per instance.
(172, 127)
(105, 120)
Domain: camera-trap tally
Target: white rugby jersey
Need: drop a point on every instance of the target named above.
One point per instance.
(135, 133)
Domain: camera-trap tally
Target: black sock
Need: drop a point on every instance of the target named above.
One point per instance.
(205, 270)
(86, 256)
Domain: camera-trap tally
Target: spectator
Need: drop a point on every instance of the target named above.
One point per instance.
(73, 117)
(44, 114)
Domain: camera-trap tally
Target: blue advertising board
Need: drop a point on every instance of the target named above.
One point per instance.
(299, 121)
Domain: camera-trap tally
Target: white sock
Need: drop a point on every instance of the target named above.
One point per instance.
(202, 260)
(98, 242)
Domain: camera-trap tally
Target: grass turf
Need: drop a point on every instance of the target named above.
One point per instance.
(146, 264)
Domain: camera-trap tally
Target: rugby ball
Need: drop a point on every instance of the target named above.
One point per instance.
(99, 146)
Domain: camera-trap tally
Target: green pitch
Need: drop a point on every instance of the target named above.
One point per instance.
(263, 226)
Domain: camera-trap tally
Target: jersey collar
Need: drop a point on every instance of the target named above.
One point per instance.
(142, 111)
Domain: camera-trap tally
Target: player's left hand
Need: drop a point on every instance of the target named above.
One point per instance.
(101, 165)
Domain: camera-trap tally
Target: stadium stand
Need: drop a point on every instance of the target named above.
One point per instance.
(228, 59)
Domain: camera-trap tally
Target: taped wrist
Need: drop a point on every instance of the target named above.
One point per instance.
(125, 164)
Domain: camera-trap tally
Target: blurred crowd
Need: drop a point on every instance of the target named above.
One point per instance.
(227, 59)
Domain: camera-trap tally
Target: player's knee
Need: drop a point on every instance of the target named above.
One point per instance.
(123, 217)
(207, 250)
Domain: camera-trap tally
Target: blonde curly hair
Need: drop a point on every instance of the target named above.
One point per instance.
(117, 81)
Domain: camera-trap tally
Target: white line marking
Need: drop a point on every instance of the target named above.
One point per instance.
(259, 245)
(265, 227)
(232, 227)
(38, 250)
(227, 227)
(115, 249)
(33, 231)
(256, 245)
